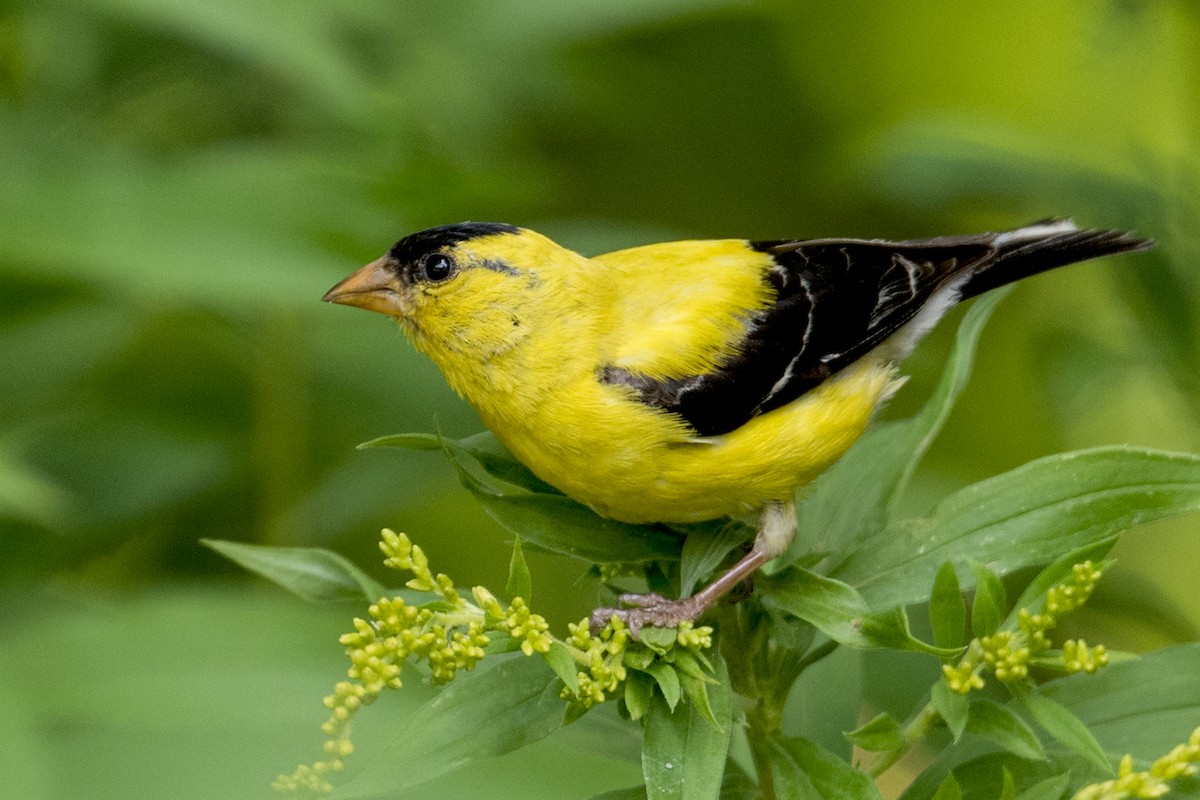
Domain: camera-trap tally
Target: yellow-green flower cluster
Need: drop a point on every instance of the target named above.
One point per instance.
(693, 638)
(606, 657)
(601, 656)
(527, 628)
(1034, 627)
(1071, 594)
(1077, 657)
(1007, 654)
(378, 648)
(312, 779)
(963, 676)
(308, 780)
(403, 555)
(450, 634)
(1180, 762)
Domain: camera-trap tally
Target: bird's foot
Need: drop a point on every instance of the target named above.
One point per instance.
(654, 610)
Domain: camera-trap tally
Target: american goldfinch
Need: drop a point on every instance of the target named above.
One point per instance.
(689, 380)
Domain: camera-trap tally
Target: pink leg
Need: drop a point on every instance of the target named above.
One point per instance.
(776, 529)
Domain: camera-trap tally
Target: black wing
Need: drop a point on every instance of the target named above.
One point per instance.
(837, 299)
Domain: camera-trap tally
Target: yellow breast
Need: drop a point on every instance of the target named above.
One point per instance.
(633, 463)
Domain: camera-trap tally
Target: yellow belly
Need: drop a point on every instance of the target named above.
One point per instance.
(632, 463)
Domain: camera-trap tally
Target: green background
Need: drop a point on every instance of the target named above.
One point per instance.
(181, 181)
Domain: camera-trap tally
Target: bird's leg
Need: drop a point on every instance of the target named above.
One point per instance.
(776, 529)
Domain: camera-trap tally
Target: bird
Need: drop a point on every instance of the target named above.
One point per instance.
(689, 380)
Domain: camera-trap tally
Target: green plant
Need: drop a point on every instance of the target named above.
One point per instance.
(712, 703)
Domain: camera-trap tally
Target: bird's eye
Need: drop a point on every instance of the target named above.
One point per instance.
(436, 267)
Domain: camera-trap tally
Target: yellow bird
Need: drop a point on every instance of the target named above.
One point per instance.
(689, 380)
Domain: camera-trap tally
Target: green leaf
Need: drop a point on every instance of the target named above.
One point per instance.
(982, 776)
(988, 608)
(692, 664)
(476, 477)
(890, 629)
(704, 548)
(574, 712)
(1052, 788)
(500, 642)
(829, 776)
(564, 666)
(683, 755)
(557, 524)
(1031, 515)
(790, 781)
(839, 611)
(639, 658)
(833, 607)
(632, 793)
(406, 441)
(1001, 725)
(1064, 726)
(639, 687)
(947, 609)
(857, 496)
(1008, 788)
(659, 640)
(949, 790)
(878, 735)
(696, 689)
(953, 707)
(495, 458)
(668, 681)
(482, 448)
(1144, 707)
(311, 573)
(485, 713)
(520, 582)
(737, 784)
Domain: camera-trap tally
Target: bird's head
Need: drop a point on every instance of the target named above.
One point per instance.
(462, 290)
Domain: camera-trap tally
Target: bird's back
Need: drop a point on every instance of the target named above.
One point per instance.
(761, 362)
(667, 313)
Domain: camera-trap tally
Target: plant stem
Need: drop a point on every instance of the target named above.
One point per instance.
(761, 723)
(916, 730)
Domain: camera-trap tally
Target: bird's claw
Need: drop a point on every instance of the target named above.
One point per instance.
(641, 610)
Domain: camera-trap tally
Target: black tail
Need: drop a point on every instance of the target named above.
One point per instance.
(1043, 246)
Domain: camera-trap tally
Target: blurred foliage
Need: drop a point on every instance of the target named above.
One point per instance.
(180, 181)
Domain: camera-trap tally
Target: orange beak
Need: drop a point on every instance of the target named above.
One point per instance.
(373, 287)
